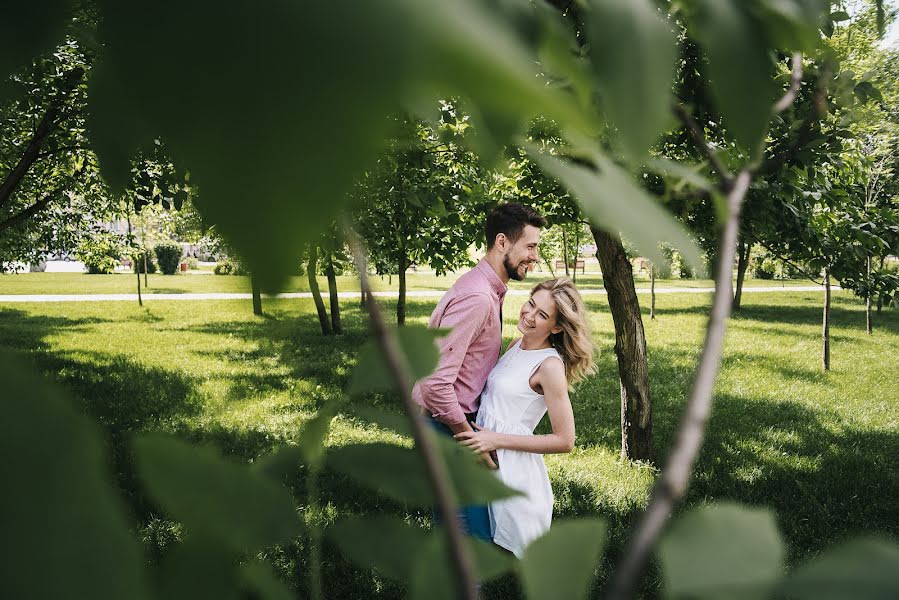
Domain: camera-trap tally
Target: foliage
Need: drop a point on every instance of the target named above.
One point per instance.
(143, 261)
(510, 62)
(422, 203)
(54, 202)
(225, 267)
(101, 251)
(168, 255)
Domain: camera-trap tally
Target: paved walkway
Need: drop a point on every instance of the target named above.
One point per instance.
(390, 294)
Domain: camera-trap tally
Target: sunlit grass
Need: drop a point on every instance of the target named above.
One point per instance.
(819, 448)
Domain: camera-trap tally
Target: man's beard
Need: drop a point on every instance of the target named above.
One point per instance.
(512, 270)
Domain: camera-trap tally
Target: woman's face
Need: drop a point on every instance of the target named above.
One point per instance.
(538, 316)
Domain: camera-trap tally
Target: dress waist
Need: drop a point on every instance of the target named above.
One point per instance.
(489, 421)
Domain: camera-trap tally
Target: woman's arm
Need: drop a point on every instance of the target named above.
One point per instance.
(551, 377)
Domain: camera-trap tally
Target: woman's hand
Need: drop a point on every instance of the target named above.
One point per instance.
(480, 440)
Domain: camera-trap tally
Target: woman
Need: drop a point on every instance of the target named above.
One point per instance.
(531, 379)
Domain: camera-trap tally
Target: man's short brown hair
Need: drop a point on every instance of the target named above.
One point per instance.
(510, 219)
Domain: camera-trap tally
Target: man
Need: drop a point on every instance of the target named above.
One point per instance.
(472, 309)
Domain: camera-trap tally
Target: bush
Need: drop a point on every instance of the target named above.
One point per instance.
(137, 261)
(224, 267)
(168, 255)
(679, 266)
(100, 252)
(192, 263)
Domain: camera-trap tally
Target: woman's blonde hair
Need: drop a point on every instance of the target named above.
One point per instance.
(572, 343)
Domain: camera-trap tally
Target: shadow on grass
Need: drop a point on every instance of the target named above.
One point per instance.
(825, 479)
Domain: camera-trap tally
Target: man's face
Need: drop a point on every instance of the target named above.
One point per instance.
(522, 254)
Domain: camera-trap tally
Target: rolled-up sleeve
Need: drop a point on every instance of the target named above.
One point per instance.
(466, 317)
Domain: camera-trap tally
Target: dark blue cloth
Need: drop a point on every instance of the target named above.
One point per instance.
(474, 518)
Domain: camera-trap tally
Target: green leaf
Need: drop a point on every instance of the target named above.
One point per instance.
(391, 421)
(682, 172)
(400, 473)
(633, 52)
(64, 526)
(560, 564)
(388, 544)
(739, 69)
(273, 169)
(28, 28)
(199, 569)
(419, 346)
(864, 569)
(232, 503)
(258, 577)
(722, 550)
(315, 431)
(433, 577)
(791, 24)
(614, 202)
(839, 16)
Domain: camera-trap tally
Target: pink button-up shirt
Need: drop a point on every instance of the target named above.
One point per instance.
(471, 308)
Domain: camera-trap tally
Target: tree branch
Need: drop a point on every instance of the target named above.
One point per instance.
(703, 145)
(41, 132)
(795, 83)
(672, 484)
(30, 211)
(398, 367)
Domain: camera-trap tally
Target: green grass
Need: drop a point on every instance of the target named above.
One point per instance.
(123, 283)
(819, 448)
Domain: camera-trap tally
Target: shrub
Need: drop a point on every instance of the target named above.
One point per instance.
(764, 269)
(137, 261)
(192, 263)
(224, 267)
(100, 252)
(680, 267)
(168, 255)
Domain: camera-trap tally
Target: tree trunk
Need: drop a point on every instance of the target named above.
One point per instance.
(630, 346)
(743, 250)
(257, 297)
(311, 269)
(332, 294)
(140, 300)
(577, 245)
(146, 267)
(401, 298)
(869, 325)
(825, 350)
(652, 291)
(565, 250)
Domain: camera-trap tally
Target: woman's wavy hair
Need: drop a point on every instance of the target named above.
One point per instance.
(572, 343)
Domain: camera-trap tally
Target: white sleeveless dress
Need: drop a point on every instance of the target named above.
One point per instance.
(509, 405)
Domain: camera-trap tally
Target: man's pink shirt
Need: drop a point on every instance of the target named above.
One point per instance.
(471, 309)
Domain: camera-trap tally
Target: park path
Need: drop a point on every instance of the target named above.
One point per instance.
(386, 294)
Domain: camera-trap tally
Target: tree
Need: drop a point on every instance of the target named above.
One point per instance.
(50, 189)
(422, 203)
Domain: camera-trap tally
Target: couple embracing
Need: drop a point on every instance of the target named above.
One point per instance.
(492, 406)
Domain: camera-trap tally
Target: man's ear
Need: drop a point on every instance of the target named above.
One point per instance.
(501, 241)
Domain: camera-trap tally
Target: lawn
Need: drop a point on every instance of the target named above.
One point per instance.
(819, 448)
(123, 283)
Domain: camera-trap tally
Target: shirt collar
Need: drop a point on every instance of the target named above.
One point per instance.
(495, 282)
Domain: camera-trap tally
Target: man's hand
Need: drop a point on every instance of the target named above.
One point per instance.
(488, 457)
